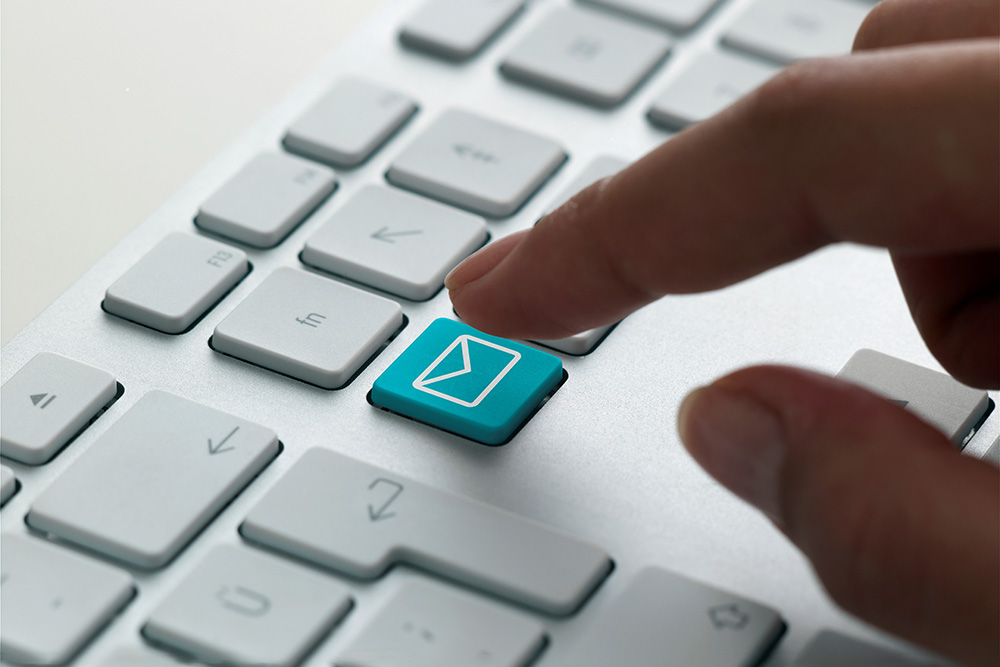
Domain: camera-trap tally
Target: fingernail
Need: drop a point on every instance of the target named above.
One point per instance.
(739, 441)
(482, 262)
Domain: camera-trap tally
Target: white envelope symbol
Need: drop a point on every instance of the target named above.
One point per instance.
(428, 378)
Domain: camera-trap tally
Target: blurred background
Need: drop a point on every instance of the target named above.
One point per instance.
(108, 106)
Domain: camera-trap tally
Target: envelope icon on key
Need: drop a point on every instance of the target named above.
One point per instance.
(467, 371)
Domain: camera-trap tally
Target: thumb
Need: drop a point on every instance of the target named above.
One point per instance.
(901, 529)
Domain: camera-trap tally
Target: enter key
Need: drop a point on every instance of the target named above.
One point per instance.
(361, 520)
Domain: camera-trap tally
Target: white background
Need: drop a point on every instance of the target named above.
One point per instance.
(108, 106)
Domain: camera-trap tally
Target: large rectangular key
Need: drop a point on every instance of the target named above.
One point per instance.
(176, 283)
(476, 163)
(154, 480)
(54, 601)
(663, 618)
(360, 520)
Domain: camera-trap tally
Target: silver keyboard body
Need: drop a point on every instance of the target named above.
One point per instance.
(601, 461)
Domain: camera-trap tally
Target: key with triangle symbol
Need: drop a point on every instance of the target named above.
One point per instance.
(47, 402)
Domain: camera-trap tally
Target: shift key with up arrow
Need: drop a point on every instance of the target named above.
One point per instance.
(395, 241)
(154, 480)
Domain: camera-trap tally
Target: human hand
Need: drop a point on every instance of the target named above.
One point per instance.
(896, 146)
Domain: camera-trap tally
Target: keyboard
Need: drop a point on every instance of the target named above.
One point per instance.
(256, 432)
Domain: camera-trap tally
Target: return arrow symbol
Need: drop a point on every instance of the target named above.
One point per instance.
(385, 235)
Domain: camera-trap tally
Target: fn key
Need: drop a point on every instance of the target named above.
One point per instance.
(935, 397)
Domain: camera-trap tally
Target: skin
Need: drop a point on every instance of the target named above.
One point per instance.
(897, 146)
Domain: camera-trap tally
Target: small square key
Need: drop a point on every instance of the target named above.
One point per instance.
(476, 163)
(247, 608)
(308, 327)
(47, 402)
(428, 625)
(937, 398)
(663, 614)
(54, 601)
(467, 382)
(266, 199)
(588, 56)
(349, 123)
(677, 15)
(710, 82)
(789, 30)
(176, 283)
(395, 241)
(458, 29)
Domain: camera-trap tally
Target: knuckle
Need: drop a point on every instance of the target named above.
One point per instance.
(784, 101)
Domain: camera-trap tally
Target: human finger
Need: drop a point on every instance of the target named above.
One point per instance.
(900, 528)
(897, 22)
(879, 149)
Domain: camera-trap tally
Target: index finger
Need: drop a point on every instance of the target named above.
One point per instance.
(896, 149)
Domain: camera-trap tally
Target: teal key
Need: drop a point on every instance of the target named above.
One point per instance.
(467, 382)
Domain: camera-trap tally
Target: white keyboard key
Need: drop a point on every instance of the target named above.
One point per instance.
(311, 328)
(937, 398)
(176, 283)
(154, 480)
(832, 649)
(8, 484)
(790, 30)
(349, 123)
(427, 625)
(395, 241)
(48, 402)
(458, 29)
(710, 83)
(662, 614)
(267, 199)
(360, 520)
(677, 15)
(600, 167)
(246, 608)
(592, 57)
(54, 601)
(477, 163)
(578, 344)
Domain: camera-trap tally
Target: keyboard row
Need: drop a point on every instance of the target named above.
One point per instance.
(594, 55)
(154, 480)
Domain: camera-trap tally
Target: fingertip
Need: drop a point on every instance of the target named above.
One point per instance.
(482, 262)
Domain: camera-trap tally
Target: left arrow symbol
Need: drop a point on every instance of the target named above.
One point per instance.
(384, 234)
(218, 449)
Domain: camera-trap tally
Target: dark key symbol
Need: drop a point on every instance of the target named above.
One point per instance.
(218, 449)
(585, 48)
(728, 616)
(383, 234)
(38, 398)
(244, 601)
(380, 513)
